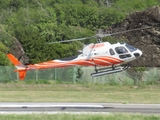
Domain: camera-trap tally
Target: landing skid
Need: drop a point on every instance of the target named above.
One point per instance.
(109, 70)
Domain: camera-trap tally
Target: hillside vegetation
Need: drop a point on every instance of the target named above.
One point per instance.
(37, 22)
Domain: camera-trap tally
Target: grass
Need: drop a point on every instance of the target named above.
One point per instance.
(23, 92)
(79, 117)
(53, 92)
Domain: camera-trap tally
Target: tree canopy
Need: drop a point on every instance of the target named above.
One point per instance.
(37, 22)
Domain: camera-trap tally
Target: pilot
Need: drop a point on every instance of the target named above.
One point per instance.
(121, 50)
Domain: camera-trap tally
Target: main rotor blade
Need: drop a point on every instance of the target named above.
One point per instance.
(105, 35)
(78, 39)
(99, 35)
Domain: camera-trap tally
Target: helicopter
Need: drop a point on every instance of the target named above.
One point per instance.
(106, 58)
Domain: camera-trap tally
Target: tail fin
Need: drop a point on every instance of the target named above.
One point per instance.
(21, 69)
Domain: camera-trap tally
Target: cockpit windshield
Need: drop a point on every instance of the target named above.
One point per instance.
(130, 48)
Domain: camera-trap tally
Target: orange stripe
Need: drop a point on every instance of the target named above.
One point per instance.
(102, 61)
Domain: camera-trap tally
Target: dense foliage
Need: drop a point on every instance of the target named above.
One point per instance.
(36, 22)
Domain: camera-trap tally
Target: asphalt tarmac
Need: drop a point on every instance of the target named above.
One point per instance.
(78, 108)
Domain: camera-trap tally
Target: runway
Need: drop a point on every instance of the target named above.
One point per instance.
(78, 108)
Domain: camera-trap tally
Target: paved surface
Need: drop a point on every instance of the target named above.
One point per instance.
(77, 108)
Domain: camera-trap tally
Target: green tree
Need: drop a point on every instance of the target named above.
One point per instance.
(37, 22)
(3, 50)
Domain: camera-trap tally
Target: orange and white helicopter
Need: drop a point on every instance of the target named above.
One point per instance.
(110, 58)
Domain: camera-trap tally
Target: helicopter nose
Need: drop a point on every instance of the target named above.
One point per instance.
(138, 53)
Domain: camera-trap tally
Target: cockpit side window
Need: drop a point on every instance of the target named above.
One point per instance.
(121, 50)
(111, 51)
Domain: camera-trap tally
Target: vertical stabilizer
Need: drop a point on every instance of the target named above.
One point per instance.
(13, 60)
(21, 69)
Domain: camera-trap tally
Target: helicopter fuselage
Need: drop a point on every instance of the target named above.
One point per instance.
(104, 54)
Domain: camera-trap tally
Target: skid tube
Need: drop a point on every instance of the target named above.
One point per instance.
(109, 71)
